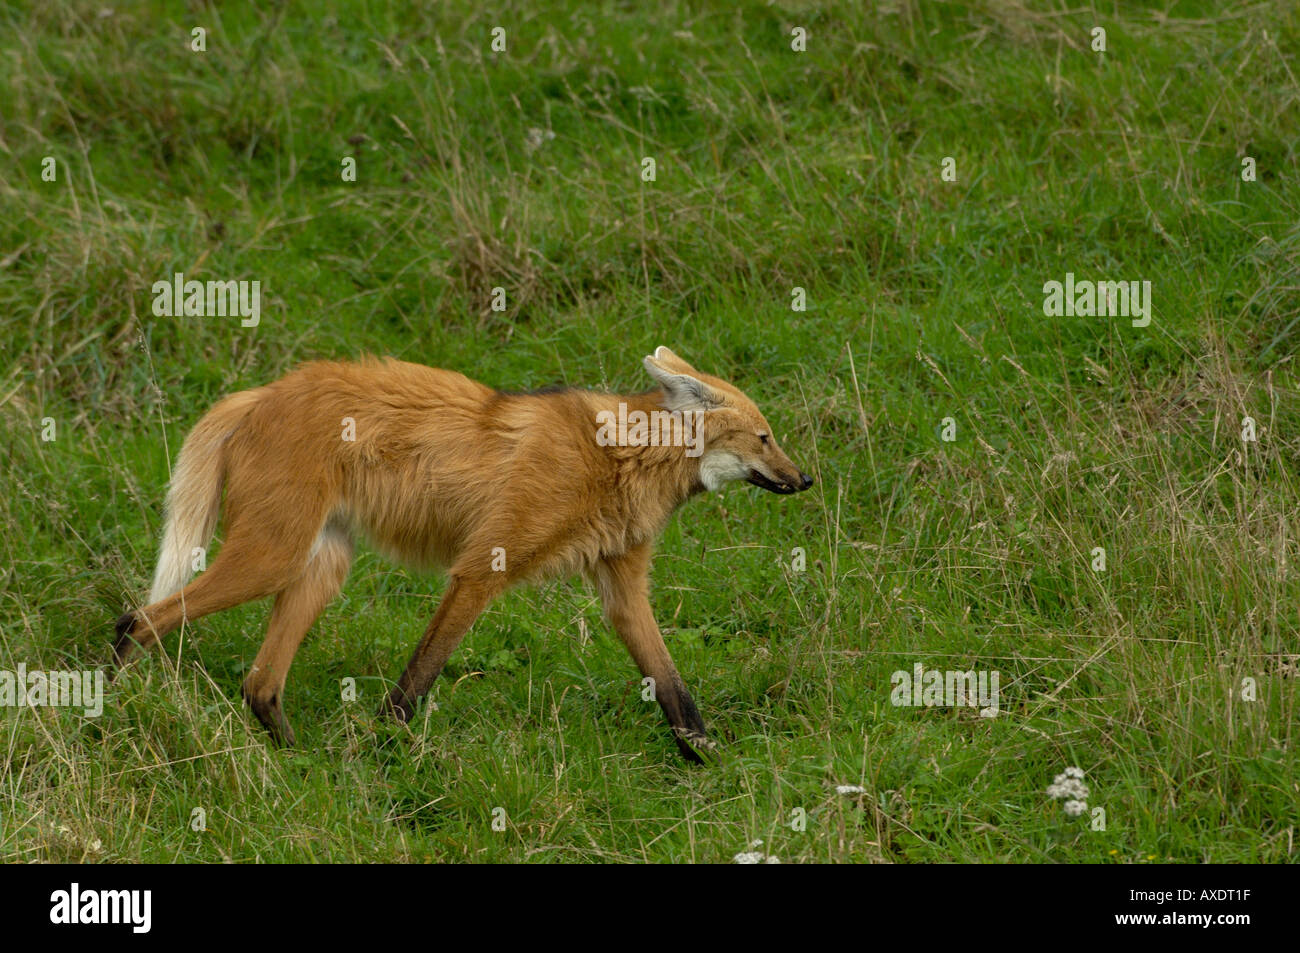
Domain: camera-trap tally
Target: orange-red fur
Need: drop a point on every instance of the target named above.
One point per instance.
(443, 471)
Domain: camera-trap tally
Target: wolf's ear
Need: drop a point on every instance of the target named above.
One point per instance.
(683, 392)
(674, 363)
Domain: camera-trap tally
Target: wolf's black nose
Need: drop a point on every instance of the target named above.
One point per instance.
(807, 480)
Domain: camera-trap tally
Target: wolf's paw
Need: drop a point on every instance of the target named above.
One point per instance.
(123, 645)
(696, 746)
(396, 707)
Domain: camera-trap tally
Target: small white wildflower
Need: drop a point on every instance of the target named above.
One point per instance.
(849, 789)
(1068, 787)
(537, 138)
(1075, 808)
(1074, 773)
(755, 856)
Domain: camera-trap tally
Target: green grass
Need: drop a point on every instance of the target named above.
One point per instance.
(775, 169)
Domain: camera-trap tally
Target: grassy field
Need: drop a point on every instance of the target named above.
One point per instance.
(1169, 677)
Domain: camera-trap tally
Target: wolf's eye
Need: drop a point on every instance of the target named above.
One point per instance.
(763, 438)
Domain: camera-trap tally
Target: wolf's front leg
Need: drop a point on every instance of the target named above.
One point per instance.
(624, 588)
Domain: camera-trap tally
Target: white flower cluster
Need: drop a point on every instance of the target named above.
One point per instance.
(537, 138)
(1069, 786)
(755, 856)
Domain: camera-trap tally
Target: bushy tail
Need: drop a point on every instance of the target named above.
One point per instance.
(194, 500)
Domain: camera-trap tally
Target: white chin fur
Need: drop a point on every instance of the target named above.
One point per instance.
(719, 467)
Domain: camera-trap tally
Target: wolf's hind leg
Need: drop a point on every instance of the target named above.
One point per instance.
(296, 608)
(264, 552)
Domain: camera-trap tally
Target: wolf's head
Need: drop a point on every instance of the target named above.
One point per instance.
(737, 442)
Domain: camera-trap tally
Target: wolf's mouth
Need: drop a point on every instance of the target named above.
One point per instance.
(759, 480)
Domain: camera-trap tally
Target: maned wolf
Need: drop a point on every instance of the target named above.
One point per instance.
(439, 470)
